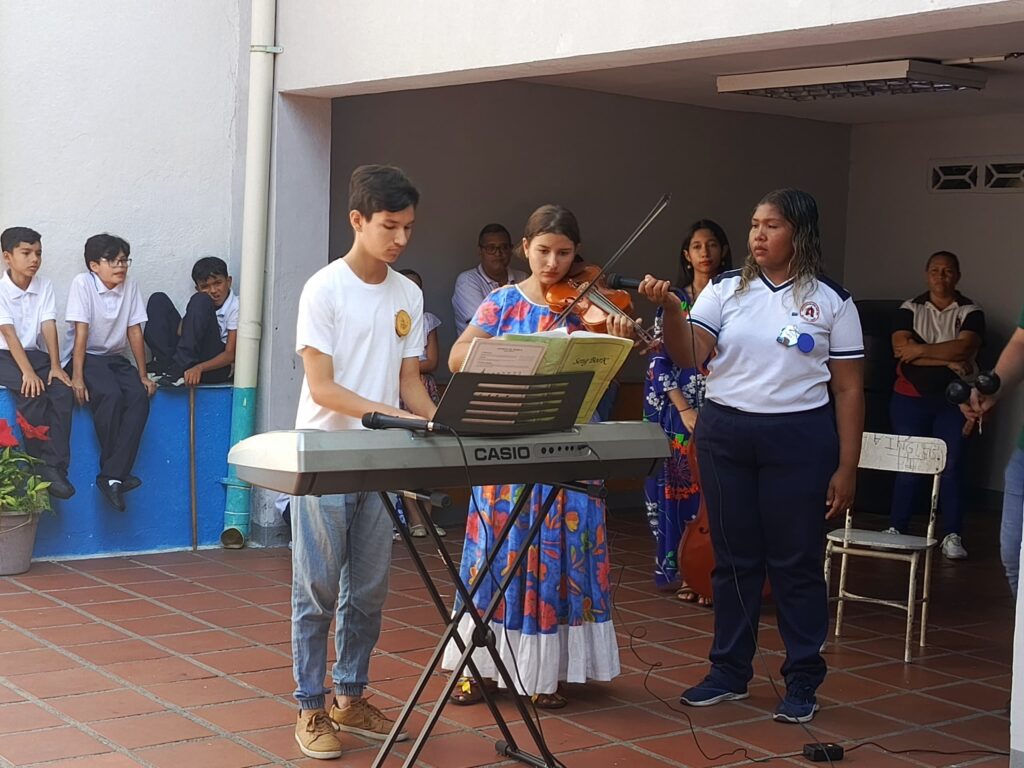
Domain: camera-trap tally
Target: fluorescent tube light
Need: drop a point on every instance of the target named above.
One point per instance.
(849, 80)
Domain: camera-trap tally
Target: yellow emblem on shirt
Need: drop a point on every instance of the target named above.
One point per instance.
(403, 323)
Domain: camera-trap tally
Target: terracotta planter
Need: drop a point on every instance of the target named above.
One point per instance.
(17, 540)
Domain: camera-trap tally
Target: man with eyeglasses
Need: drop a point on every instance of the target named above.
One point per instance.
(494, 245)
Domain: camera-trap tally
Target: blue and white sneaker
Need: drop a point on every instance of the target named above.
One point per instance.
(709, 692)
(799, 705)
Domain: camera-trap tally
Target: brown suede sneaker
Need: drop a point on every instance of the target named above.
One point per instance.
(364, 719)
(315, 734)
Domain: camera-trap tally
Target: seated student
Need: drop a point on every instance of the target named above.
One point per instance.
(105, 315)
(199, 348)
(30, 358)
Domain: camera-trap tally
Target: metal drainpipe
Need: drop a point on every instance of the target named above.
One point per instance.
(255, 212)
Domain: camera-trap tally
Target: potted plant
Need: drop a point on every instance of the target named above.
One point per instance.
(23, 497)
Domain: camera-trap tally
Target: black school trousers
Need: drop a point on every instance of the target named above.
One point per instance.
(199, 339)
(765, 478)
(120, 408)
(50, 409)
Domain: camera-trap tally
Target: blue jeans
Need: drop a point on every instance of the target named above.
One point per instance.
(1013, 512)
(341, 555)
(930, 417)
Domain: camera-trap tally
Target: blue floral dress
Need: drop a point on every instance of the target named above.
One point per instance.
(556, 619)
(671, 497)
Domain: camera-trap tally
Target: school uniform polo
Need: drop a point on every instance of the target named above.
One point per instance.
(767, 445)
(227, 316)
(754, 372)
(27, 310)
(108, 311)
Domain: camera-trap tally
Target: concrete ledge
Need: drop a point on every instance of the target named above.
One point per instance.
(158, 514)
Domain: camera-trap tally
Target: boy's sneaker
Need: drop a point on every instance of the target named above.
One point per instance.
(363, 719)
(170, 380)
(953, 547)
(891, 530)
(315, 735)
(708, 692)
(799, 705)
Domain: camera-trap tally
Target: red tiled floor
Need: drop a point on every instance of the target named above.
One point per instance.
(209, 648)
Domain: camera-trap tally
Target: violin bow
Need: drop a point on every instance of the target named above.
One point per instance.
(660, 206)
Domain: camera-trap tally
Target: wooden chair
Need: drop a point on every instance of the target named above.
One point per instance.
(891, 453)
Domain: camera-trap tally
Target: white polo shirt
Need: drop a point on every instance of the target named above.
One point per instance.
(367, 329)
(108, 311)
(227, 316)
(26, 310)
(751, 371)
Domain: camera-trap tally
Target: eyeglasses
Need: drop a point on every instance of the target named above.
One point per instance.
(116, 262)
(494, 250)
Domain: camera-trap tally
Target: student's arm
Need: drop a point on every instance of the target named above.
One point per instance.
(847, 387)
(53, 349)
(139, 353)
(78, 363)
(686, 345)
(31, 384)
(414, 394)
(429, 364)
(1009, 369)
(194, 374)
(327, 393)
(461, 347)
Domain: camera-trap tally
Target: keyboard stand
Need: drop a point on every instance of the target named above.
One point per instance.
(483, 635)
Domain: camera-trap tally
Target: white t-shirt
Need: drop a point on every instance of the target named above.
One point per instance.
(108, 311)
(227, 316)
(751, 370)
(26, 310)
(356, 323)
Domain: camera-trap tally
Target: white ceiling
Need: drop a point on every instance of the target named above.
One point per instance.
(692, 80)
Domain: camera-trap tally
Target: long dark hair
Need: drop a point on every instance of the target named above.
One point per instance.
(685, 278)
(801, 210)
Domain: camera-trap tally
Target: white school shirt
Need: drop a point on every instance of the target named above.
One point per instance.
(227, 316)
(471, 288)
(753, 372)
(108, 311)
(26, 310)
(356, 323)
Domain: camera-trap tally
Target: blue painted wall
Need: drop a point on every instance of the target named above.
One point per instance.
(158, 515)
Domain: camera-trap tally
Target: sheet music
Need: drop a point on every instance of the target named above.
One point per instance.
(495, 355)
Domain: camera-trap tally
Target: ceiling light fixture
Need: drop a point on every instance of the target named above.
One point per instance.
(850, 80)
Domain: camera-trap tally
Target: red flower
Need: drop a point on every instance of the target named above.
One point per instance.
(548, 616)
(30, 432)
(7, 438)
(487, 314)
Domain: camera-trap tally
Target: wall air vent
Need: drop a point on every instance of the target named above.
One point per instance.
(976, 174)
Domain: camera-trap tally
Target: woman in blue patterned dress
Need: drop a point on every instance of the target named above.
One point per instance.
(671, 398)
(556, 619)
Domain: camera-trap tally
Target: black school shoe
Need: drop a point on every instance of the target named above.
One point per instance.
(130, 483)
(112, 491)
(59, 488)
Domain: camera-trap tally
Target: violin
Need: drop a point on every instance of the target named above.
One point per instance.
(584, 292)
(587, 295)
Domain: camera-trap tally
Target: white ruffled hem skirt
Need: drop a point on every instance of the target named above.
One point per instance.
(573, 655)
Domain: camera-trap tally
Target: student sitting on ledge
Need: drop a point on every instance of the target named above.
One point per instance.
(30, 358)
(105, 315)
(199, 348)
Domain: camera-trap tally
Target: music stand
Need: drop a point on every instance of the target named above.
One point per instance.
(499, 405)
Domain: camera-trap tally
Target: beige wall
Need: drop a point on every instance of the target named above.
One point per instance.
(894, 222)
(495, 152)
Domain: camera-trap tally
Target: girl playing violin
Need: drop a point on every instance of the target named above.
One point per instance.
(672, 396)
(556, 620)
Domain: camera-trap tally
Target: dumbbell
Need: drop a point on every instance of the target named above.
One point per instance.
(959, 391)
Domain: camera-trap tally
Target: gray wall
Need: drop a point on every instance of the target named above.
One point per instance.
(495, 152)
(895, 222)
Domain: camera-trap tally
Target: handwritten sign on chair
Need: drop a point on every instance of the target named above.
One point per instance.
(902, 453)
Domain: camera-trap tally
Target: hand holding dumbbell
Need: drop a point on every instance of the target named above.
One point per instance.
(974, 400)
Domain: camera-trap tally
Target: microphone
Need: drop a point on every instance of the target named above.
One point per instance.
(616, 281)
(375, 420)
